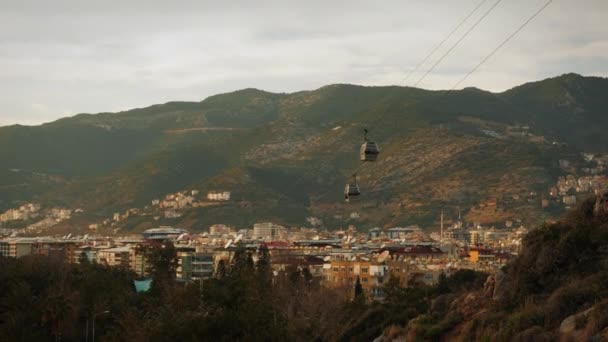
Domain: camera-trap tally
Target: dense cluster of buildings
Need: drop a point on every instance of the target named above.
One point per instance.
(33, 211)
(218, 196)
(567, 188)
(25, 212)
(336, 259)
(32, 218)
(581, 181)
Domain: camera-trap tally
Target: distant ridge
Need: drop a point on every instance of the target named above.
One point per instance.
(436, 150)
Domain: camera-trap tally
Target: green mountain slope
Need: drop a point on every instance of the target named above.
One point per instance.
(294, 152)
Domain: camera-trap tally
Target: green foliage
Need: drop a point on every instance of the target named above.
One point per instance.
(561, 271)
(112, 161)
(162, 261)
(464, 279)
(41, 298)
(555, 254)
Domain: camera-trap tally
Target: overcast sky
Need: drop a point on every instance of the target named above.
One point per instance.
(60, 58)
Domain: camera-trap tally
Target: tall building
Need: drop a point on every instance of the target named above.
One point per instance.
(268, 230)
(194, 265)
(219, 229)
(117, 256)
(343, 273)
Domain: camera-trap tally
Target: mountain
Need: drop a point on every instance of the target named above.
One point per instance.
(287, 156)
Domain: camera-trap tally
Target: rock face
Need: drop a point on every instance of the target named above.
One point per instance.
(488, 286)
(499, 280)
(572, 328)
(601, 204)
(568, 325)
(442, 303)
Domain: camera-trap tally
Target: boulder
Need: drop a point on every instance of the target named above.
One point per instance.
(569, 329)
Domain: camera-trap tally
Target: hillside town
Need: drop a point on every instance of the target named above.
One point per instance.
(336, 259)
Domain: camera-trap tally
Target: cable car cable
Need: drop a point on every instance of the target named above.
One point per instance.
(436, 47)
(462, 37)
(502, 44)
(457, 42)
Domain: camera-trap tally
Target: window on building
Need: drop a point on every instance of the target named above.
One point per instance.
(335, 269)
(364, 280)
(350, 269)
(363, 269)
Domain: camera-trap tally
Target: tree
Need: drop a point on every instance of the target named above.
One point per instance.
(263, 266)
(162, 261)
(221, 270)
(392, 288)
(359, 296)
(242, 263)
(442, 284)
(58, 310)
(83, 259)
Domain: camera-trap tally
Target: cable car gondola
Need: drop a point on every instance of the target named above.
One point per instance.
(369, 149)
(351, 189)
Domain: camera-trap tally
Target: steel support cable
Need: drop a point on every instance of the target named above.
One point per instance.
(440, 44)
(457, 42)
(521, 27)
(462, 37)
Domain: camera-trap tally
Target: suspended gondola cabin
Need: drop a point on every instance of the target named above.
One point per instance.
(369, 149)
(351, 189)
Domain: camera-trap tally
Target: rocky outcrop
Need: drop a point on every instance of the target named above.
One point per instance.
(499, 281)
(586, 325)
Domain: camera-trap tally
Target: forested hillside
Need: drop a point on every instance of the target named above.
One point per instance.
(291, 154)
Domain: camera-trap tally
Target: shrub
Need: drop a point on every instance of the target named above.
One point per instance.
(568, 300)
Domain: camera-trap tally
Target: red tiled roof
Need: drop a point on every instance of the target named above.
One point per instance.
(413, 250)
(277, 244)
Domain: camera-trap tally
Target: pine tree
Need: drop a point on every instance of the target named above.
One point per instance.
(162, 261)
(359, 291)
(221, 270)
(442, 284)
(263, 265)
(242, 262)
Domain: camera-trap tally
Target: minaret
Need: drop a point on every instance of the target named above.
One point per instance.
(441, 238)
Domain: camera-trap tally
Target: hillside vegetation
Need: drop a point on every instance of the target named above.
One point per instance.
(294, 152)
(555, 290)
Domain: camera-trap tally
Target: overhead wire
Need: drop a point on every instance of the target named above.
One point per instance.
(521, 27)
(462, 37)
(457, 42)
(440, 44)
